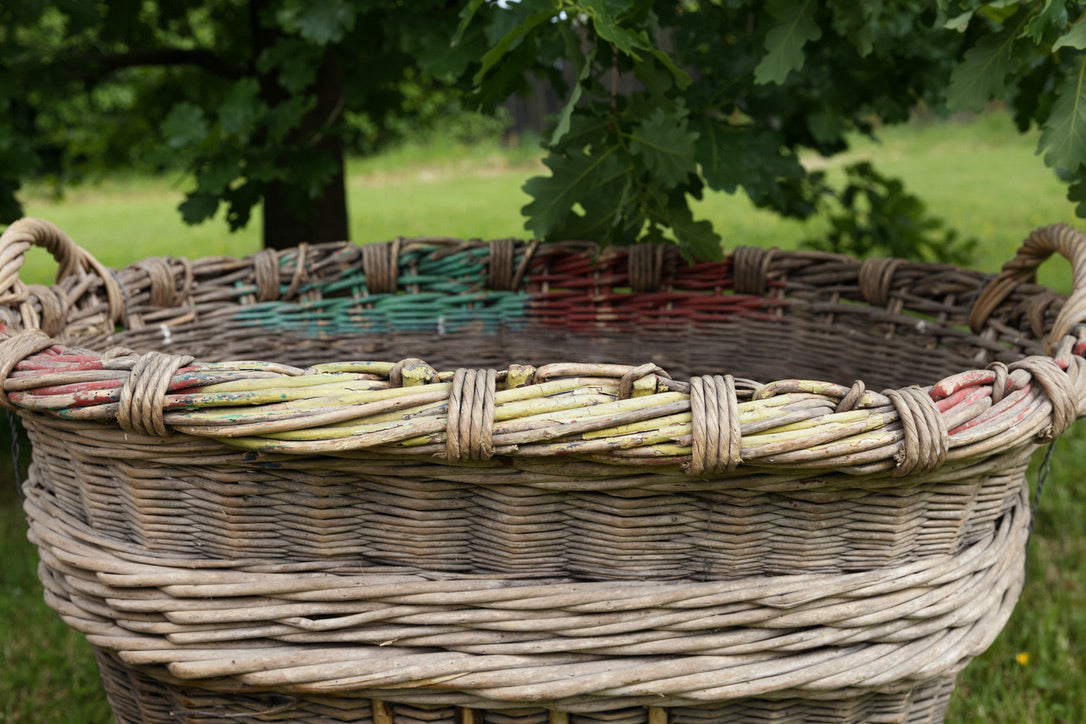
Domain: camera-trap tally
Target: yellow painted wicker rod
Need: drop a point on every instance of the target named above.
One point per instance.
(286, 420)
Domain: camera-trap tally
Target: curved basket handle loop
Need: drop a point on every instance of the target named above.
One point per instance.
(70, 257)
(1038, 246)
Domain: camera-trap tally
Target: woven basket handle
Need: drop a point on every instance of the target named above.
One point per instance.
(1041, 244)
(71, 260)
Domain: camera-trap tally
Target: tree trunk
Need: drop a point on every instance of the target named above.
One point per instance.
(324, 217)
(290, 214)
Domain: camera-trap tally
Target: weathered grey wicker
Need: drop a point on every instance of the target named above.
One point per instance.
(539, 523)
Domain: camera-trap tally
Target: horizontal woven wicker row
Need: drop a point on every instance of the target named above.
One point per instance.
(554, 410)
(478, 641)
(521, 518)
(435, 480)
(138, 698)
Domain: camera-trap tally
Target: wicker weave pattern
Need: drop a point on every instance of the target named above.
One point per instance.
(560, 642)
(348, 406)
(138, 698)
(521, 518)
(571, 299)
(574, 483)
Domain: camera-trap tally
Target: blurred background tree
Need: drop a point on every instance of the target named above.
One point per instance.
(727, 94)
(260, 100)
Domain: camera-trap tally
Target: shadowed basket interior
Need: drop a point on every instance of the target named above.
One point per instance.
(435, 480)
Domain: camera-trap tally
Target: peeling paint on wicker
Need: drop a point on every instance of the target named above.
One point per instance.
(575, 482)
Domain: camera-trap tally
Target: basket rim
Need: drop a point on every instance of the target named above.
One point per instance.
(710, 425)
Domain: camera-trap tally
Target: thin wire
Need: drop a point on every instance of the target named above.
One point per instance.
(1042, 476)
(13, 423)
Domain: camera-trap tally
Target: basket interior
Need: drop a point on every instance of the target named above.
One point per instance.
(811, 319)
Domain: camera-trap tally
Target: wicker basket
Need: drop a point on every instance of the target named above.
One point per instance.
(622, 488)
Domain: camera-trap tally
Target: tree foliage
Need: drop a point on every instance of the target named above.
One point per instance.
(1034, 56)
(663, 102)
(671, 99)
(256, 98)
(873, 214)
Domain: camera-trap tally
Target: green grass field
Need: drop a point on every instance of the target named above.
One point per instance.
(979, 175)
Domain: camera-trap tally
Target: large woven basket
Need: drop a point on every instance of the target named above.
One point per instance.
(621, 488)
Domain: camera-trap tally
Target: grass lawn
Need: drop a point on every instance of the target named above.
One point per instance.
(980, 176)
